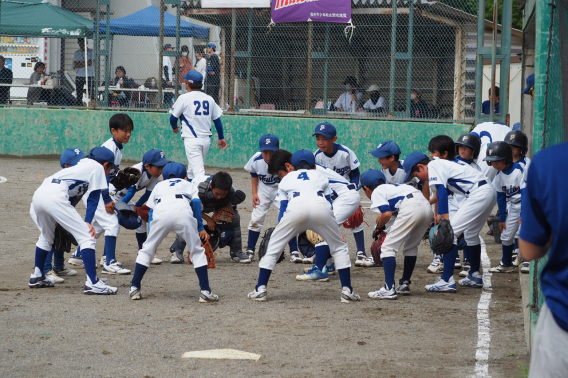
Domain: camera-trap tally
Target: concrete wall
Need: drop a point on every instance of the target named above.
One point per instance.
(36, 132)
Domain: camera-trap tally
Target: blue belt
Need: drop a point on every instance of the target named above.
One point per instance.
(409, 196)
(179, 196)
(56, 181)
(479, 184)
(352, 187)
(297, 194)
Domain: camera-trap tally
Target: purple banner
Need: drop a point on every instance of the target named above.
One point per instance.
(315, 10)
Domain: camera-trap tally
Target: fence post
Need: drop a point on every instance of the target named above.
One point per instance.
(393, 58)
(479, 67)
(232, 77)
(249, 59)
(309, 67)
(161, 55)
(326, 68)
(409, 55)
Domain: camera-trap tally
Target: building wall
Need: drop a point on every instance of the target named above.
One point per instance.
(515, 87)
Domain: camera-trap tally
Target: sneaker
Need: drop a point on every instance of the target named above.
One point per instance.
(361, 257)
(250, 252)
(175, 259)
(99, 288)
(295, 257)
(258, 294)
(309, 260)
(240, 257)
(517, 259)
(313, 274)
(526, 267)
(502, 268)
(156, 261)
(76, 261)
(207, 297)
(348, 296)
(472, 281)
(403, 288)
(383, 293)
(53, 277)
(369, 262)
(64, 272)
(37, 282)
(465, 270)
(442, 286)
(103, 261)
(135, 293)
(114, 268)
(457, 264)
(329, 269)
(437, 266)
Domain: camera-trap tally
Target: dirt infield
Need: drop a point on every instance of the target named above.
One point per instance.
(302, 330)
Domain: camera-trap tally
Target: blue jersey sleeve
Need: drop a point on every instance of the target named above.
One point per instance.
(143, 199)
(129, 195)
(442, 194)
(354, 176)
(219, 128)
(106, 196)
(502, 205)
(197, 209)
(173, 122)
(283, 207)
(92, 203)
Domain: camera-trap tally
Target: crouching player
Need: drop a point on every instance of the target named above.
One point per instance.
(414, 217)
(173, 211)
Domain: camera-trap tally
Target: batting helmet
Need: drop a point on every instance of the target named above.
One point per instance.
(214, 237)
(499, 151)
(305, 245)
(471, 141)
(519, 139)
(127, 217)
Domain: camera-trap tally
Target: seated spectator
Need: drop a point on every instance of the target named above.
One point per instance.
(418, 108)
(5, 78)
(486, 105)
(350, 100)
(376, 103)
(122, 81)
(38, 77)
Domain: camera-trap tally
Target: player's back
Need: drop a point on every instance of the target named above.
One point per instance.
(303, 183)
(86, 175)
(337, 183)
(196, 110)
(458, 176)
(169, 189)
(391, 195)
(489, 132)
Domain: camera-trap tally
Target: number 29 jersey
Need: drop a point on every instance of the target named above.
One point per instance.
(196, 110)
(303, 183)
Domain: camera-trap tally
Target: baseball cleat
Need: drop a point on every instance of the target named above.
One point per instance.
(517, 259)
(437, 266)
(313, 274)
(259, 294)
(471, 281)
(99, 288)
(115, 268)
(240, 257)
(457, 264)
(156, 261)
(442, 286)
(360, 259)
(349, 296)
(37, 282)
(403, 288)
(135, 293)
(525, 267)
(368, 262)
(295, 257)
(207, 297)
(329, 269)
(175, 259)
(64, 272)
(502, 268)
(383, 293)
(54, 278)
(309, 260)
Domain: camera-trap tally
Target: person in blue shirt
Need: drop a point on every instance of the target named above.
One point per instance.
(486, 105)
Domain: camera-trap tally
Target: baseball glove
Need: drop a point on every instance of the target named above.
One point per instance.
(264, 245)
(126, 178)
(143, 212)
(355, 219)
(377, 231)
(208, 253)
(444, 238)
(313, 237)
(224, 214)
(376, 248)
(63, 239)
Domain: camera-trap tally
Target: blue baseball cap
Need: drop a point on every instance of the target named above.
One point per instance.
(517, 126)
(174, 170)
(326, 129)
(373, 177)
(386, 148)
(71, 156)
(530, 84)
(411, 160)
(211, 44)
(269, 142)
(302, 157)
(102, 154)
(155, 157)
(193, 77)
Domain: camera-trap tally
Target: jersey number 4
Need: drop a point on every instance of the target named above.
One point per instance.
(199, 105)
(303, 176)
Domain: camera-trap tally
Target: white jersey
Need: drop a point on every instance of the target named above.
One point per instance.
(167, 62)
(380, 104)
(343, 160)
(338, 184)
(196, 111)
(489, 132)
(166, 190)
(84, 177)
(345, 101)
(116, 149)
(267, 183)
(456, 201)
(387, 197)
(146, 181)
(457, 176)
(510, 181)
(304, 183)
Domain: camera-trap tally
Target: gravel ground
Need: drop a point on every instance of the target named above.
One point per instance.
(302, 330)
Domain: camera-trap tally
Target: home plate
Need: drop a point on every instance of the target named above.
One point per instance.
(222, 354)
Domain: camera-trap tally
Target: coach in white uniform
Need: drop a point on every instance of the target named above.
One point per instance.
(196, 110)
(489, 132)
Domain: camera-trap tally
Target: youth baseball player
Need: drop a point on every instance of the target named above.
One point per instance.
(489, 132)
(51, 204)
(175, 207)
(196, 110)
(388, 153)
(305, 203)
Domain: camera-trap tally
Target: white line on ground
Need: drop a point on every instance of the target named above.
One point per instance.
(223, 354)
(483, 324)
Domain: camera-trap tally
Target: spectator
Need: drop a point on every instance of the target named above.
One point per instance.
(5, 78)
(167, 74)
(37, 77)
(486, 105)
(123, 81)
(213, 81)
(418, 108)
(350, 100)
(200, 63)
(376, 103)
(84, 75)
(184, 64)
(530, 87)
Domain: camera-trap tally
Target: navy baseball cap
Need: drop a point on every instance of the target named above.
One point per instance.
(411, 160)
(102, 154)
(517, 126)
(71, 156)
(373, 177)
(269, 142)
(155, 157)
(326, 129)
(386, 148)
(167, 46)
(530, 84)
(174, 170)
(303, 157)
(211, 44)
(193, 77)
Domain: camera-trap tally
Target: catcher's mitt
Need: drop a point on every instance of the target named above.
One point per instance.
(376, 248)
(444, 238)
(356, 219)
(126, 178)
(313, 237)
(264, 245)
(143, 212)
(63, 239)
(223, 214)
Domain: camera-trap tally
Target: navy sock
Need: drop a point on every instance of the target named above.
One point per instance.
(474, 252)
(263, 277)
(40, 257)
(78, 254)
(140, 238)
(90, 264)
(345, 277)
(360, 241)
(139, 272)
(508, 254)
(58, 259)
(203, 278)
(389, 266)
(449, 262)
(110, 248)
(252, 240)
(47, 266)
(516, 243)
(293, 244)
(466, 254)
(409, 264)
(322, 255)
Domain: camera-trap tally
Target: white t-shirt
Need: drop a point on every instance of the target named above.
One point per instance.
(304, 182)
(345, 101)
(166, 62)
(169, 188)
(201, 66)
(79, 56)
(87, 174)
(387, 197)
(457, 176)
(196, 111)
(380, 104)
(343, 160)
(146, 181)
(259, 168)
(116, 149)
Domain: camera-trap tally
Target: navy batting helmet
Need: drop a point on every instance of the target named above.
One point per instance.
(497, 151)
(471, 141)
(127, 217)
(214, 237)
(519, 139)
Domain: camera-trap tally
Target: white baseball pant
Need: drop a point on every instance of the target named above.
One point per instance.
(259, 212)
(103, 221)
(343, 207)
(196, 149)
(513, 215)
(473, 213)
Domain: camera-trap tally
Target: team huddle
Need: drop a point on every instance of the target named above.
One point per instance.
(315, 193)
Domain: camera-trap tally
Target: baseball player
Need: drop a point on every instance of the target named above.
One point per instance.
(509, 184)
(51, 204)
(345, 199)
(414, 217)
(175, 207)
(461, 179)
(388, 154)
(489, 132)
(305, 203)
(343, 161)
(264, 190)
(196, 110)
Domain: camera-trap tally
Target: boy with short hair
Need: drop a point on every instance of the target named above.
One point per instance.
(388, 154)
